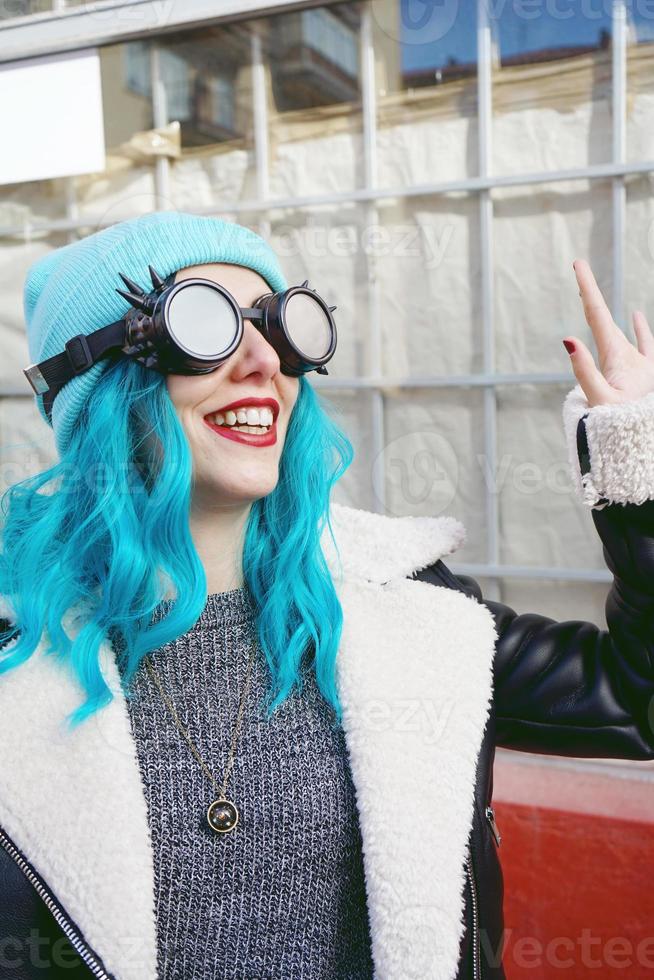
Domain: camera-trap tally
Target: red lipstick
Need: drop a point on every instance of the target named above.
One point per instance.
(247, 438)
(254, 402)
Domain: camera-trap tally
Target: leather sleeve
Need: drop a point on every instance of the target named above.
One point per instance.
(571, 688)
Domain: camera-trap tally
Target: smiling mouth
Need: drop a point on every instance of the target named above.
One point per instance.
(248, 435)
(255, 418)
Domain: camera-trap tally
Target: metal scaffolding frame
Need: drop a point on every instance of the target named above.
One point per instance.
(77, 28)
(99, 22)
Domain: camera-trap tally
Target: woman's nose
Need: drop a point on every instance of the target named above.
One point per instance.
(255, 353)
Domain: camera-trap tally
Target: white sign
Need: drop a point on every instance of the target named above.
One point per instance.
(51, 122)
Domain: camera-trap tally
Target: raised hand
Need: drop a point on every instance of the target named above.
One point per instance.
(625, 372)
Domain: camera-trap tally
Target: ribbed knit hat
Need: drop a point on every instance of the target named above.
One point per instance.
(72, 290)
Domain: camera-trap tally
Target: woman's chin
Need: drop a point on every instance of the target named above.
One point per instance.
(248, 484)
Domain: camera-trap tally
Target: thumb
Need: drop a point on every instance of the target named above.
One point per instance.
(595, 386)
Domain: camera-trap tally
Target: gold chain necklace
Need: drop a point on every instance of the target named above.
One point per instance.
(222, 815)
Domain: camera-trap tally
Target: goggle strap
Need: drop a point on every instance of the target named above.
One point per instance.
(81, 352)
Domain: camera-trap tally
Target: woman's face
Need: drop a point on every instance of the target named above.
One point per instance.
(229, 466)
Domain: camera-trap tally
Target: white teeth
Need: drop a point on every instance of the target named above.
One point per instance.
(257, 417)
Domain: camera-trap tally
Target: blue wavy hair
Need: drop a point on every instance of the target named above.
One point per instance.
(109, 522)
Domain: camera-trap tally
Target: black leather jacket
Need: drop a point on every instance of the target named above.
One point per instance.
(565, 688)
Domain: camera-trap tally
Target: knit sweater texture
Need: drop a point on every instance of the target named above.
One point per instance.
(283, 894)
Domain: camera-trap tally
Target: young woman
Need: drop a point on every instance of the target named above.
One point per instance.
(246, 732)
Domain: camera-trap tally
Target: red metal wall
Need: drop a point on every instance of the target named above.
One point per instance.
(578, 858)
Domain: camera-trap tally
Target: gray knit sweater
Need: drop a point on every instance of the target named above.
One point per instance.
(282, 895)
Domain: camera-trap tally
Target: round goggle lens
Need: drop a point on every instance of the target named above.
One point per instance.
(308, 325)
(202, 320)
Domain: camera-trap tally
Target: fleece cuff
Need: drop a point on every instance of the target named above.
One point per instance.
(613, 461)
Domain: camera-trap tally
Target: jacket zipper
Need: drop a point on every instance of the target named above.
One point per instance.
(65, 924)
(490, 816)
(476, 958)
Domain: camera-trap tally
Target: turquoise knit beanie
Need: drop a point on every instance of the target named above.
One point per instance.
(72, 290)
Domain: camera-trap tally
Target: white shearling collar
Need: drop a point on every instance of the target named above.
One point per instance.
(378, 548)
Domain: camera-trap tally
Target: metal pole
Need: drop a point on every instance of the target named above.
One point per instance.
(485, 118)
(374, 354)
(260, 125)
(619, 113)
(159, 118)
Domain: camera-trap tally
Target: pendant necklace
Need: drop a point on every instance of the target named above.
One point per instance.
(222, 815)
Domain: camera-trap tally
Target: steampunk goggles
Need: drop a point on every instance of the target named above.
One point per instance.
(191, 327)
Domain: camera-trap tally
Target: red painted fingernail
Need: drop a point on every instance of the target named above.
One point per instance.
(569, 346)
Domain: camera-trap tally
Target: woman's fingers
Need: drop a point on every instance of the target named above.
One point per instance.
(644, 337)
(595, 386)
(598, 316)
(625, 372)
